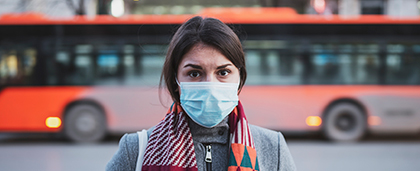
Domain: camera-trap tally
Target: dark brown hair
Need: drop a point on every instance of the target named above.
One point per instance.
(209, 31)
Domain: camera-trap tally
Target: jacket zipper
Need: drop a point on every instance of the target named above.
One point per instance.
(208, 157)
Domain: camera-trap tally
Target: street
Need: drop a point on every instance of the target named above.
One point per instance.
(364, 156)
(43, 154)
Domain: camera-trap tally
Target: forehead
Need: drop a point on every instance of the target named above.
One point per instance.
(204, 54)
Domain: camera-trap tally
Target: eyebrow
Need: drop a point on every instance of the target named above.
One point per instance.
(223, 66)
(193, 66)
(199, 67)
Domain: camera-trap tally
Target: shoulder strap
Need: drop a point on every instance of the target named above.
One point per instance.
(143, 138)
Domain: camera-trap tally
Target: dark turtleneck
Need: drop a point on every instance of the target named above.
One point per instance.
(217, 137)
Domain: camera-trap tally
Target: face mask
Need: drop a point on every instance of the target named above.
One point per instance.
(208, 103)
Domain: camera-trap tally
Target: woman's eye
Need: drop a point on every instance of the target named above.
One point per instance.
(224, 72)
(194, 74)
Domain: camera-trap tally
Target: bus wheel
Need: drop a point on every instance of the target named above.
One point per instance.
(85, 123)
(344, 122)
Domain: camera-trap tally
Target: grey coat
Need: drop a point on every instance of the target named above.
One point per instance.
(271, 147)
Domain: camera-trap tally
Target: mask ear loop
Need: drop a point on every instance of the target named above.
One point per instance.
(176, 80)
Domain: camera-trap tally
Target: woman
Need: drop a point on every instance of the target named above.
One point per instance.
(206, 128)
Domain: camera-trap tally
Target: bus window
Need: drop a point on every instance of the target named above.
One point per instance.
(272, 67)
(367, 64)
(416, 49)
(152, 59)
(367, 48)
(367, 69)
(83, 74)
(326, 68)
(325, 64)
(253, 67)
(29, 61)
(345, 61)
(132, 58)
(9, 67)
(81, 67)
(402, 68)
(272, 62)
(286, 64)
(107, 66)
(129, 61)
(289, 69)
(277, 68)
(152, 68)
(345, 69)
(17, 66)
(63, 57)
(62, 69)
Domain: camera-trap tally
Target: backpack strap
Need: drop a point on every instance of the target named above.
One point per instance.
(143, 138)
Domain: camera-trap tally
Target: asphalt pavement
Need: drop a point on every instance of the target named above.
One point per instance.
(41, 153)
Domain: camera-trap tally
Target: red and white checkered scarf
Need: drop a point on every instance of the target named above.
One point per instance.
(171, 148)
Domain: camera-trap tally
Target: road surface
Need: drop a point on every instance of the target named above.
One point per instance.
(43, 154)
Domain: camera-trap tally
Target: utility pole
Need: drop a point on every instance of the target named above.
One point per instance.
(80, 10)
(103, 7)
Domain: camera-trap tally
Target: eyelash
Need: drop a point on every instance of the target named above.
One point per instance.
(228, 72)
(218, 72)
(191, 72)
(200, 74)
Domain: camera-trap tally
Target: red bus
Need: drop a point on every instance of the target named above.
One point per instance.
(88, 77)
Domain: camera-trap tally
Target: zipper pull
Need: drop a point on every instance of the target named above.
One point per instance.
(208, 154)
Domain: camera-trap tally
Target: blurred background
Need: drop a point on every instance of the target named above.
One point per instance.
(339, 78)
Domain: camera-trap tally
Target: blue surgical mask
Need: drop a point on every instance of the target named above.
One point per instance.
(208, 103)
